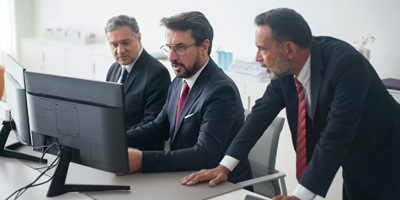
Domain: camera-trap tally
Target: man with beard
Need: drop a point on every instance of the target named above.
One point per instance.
(145, 79)
(203, 112)
(339, 113)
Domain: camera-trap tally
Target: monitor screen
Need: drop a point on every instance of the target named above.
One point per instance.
(17, 119)
(85, 117)
(16, 99)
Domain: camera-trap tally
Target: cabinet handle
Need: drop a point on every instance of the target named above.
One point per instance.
(248, 102)
(94, 68)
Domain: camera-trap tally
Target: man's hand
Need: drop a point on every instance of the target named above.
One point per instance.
(283, 197)
(135, 161)
(216, 175)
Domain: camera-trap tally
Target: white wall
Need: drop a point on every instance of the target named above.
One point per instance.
(233, 21)
(234, 31)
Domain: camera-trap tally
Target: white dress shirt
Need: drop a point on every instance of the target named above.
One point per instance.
(190, 81)
(129, 66)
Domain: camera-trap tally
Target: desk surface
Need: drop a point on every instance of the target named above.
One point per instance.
(143, 185)
(14, 175)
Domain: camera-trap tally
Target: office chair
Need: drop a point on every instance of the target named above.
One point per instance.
(262, 160)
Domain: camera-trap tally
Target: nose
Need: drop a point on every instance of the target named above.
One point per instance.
(120, 49)
(258, 56)
(172, 55)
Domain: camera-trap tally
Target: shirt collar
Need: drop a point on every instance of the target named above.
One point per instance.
(305, 73)
(190, 81)
(130, 66)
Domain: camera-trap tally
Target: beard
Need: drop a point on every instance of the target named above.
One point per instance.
(280, 69)
(188, 71)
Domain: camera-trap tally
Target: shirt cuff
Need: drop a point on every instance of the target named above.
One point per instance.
(303, 193)
(229, 162)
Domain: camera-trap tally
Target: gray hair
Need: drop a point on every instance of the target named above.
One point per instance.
(122, 20)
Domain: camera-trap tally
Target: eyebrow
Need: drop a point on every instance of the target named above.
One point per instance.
(125, 40)
(179, 44)
(260, 47)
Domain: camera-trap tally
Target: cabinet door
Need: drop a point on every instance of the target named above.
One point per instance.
(242, 90)
(32, 56)
(78, 64)
(54, 60)
(254, 91)
(101, 64)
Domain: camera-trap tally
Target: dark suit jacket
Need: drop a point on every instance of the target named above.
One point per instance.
(355, 122)
(210, 118)
(145, 89)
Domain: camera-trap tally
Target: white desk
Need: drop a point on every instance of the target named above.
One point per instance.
(143, 186)
(18, 173)
(14, 175)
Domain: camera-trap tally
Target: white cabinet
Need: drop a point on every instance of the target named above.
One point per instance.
(42, 58)
(101, 65)
(78, 64)
(63, 58)
(93, 61)
(53, 60)
(250, 91)
(254, 91)
(32, 56)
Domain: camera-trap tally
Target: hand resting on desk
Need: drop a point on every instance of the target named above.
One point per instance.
(135, 161)
(215, 176)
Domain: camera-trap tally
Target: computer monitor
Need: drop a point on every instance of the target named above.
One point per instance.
(86, 119)
(17, 120)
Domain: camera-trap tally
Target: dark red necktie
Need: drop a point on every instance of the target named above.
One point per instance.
(185, 92)
(301, 161)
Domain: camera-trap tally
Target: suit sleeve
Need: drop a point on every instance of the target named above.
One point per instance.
(348, 87)
(156, 94)
(263, 113)
(112, 72)
(216, 117)
(152, 132)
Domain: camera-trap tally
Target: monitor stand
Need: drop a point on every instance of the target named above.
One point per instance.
(9, 150)
(58, 186)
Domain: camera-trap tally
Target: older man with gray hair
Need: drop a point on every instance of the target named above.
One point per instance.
(146, 80)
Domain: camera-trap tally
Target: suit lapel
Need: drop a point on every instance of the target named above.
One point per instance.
(174, 100)
(135, 70)
(194, 93)
(116, 73)
(316, 76)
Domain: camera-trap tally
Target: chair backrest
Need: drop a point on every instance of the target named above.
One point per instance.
(262, 157)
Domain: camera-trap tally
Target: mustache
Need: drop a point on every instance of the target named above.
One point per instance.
(263, 65)
(177, 63)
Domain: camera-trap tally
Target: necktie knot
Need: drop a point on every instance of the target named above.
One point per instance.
(124, 75)
(298, 84)
(185, 88)
(185, 92)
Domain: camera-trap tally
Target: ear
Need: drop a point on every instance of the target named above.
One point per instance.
(290, 50)
(139, 38)
(204, 46)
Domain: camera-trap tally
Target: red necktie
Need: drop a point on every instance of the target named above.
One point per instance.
(185, 92)
(301, 161)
